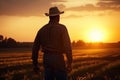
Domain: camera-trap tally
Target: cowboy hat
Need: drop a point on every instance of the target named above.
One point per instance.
(54, 11)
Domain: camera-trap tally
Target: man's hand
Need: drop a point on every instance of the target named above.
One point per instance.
(69, 67)
(36, 69)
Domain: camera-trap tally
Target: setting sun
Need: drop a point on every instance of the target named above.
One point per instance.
(96, 35)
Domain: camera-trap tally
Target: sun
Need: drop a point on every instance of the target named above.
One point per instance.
(96, 35)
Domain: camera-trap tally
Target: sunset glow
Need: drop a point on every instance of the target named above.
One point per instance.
(96, 36)
(87, 20)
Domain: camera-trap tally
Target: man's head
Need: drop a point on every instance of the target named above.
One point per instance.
(54, 11)
(54, 14)
(54, 18)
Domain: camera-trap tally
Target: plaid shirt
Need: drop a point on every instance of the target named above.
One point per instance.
(52, 37)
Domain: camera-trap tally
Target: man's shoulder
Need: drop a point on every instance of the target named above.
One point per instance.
(43, 27)
(62, 26)
(46, 25)
(58, 26)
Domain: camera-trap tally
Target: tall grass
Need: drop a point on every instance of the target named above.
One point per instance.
(95, 64)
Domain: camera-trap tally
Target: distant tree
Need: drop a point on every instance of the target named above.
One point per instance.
(7, 42)
(119, 42)
(80, 43)
(73, 44)
(4, 43)
(1, 38)
(11, 42)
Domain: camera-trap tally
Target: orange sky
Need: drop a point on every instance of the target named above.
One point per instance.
(21, 19)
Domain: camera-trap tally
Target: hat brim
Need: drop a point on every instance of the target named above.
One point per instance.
(47, 14)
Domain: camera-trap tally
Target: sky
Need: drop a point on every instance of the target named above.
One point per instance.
(87, 20)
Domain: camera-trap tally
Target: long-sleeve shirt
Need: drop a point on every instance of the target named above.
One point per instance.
(52, 37)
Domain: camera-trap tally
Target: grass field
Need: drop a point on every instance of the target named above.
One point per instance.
(88, 64)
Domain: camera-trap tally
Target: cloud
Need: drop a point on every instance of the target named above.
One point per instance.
(25, 7)
(77, 8)
(76, 3)
(39, 7)
(109, 4)
(99, 6)
(88, 7)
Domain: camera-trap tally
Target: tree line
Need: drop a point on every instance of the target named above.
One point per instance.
(12, 43)
(7, 42)
(79, 43)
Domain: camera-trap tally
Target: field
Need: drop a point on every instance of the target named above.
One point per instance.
(88, 64)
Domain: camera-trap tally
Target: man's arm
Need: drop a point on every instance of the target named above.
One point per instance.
(35, 51)
(67, 48)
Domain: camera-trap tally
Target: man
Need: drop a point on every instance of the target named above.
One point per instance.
(54, 41)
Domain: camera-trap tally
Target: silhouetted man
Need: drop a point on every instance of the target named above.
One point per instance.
(54, 41)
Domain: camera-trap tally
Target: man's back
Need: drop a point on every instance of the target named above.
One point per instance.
(51, 37)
